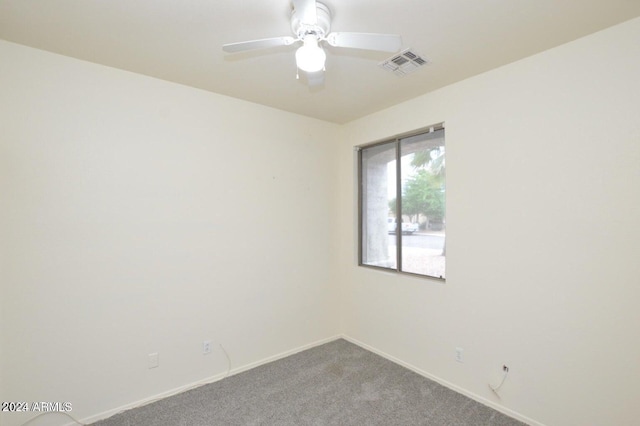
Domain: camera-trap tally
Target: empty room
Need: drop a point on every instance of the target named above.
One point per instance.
(218, 212)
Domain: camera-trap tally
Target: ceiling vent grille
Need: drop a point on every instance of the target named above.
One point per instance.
(404, 62)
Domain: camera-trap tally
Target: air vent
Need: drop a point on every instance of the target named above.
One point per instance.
(404, 62)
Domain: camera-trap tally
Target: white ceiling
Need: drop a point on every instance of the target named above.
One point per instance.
(180, 41)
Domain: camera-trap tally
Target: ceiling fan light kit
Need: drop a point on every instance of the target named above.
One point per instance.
(310, 57)
(311, 23)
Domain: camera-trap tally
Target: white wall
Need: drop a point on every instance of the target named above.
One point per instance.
(142, 216)
(543, 187)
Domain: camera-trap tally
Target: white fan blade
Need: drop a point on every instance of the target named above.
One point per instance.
(382, 42)
(315, 79)
(258, 44)
(306, 11)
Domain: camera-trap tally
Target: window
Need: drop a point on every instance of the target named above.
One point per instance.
(402, 204)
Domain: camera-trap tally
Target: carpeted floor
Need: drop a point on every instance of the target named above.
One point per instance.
(338, 383)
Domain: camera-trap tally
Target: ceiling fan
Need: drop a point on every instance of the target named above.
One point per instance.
(310, 23)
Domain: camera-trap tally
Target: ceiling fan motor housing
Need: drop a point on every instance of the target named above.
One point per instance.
(321, 27)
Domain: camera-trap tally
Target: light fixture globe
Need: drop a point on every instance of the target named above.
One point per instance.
(310, 57)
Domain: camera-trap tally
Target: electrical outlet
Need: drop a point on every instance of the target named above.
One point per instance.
(154, 360)
(458, 355)
(206, 347)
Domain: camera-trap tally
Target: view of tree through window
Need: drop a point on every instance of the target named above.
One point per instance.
(405, 233)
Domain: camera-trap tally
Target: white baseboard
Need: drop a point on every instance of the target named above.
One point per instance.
(180, 389)
(445, 383)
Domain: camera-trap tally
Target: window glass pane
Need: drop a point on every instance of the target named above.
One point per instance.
(422, 171)
(378, 192)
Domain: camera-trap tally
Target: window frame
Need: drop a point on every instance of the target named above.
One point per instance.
(398, 235)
